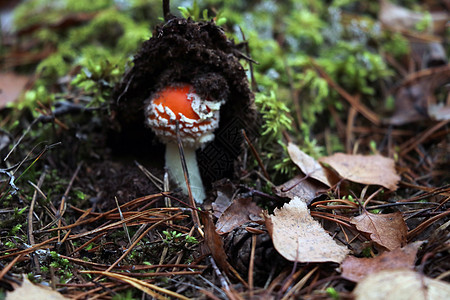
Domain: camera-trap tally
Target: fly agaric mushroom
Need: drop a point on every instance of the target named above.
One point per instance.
(196, 57)
(196, 119)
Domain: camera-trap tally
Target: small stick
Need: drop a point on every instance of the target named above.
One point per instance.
(30, 218)
(255, 153)
(10, 265)
(136, 242)
(223, 280)
(251, 265)
(195, 217)
(155, 180)
(125, 228)
(20, 139)
(63, 204)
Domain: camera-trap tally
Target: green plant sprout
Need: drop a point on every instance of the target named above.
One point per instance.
(333, 293)
(62, 266)
(171, 235)
(174, 236)
(194, 13)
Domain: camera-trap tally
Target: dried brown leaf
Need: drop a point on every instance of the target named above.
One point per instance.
(307, 164)
(355, 269)
(415, 98)
(298, 237)
(225, 190)
(401, 284)
(214, 242)
(387, 230)
(11, 85)
(239, 212)
(301, 187)
(365, 169)
(30, 291)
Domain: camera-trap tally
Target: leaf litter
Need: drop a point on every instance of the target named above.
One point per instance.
(30, 291)
(356, 269)
(241, 211)
(89, 233)
(401, 284)
(298, 237)
(365, 169)
(387, 230)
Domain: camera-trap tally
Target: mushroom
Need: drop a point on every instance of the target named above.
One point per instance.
(197, 119)
(198, 62)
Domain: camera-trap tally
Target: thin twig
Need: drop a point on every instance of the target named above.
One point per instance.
(136, 242)
(255, 153)
(20, 139)
(30, 218)
(10, 265)
(412, 143)
(155, 180)
(195, 216)
(251, 265)
(63, 204)
(125, 228)
(361, 108)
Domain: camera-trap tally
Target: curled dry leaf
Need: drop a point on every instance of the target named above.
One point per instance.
(214, 242)
(307, 164)
(30, 291)
(225, 190)
(298, 237)
(355, 269)
(239, 212)
(301, 187)
(365, 169)
(401, 284)
(387, 230)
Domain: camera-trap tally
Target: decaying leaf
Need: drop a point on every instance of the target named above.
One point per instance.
(401, 284)
(307, 164)
(415, 98)
(301, 187)
(387, 230)
(11, 85)
(239, 212)
(401, 18)
(298, 237)
(214, 242)
(355, 269)
(365, 169)
(30, 291)
(225, 190)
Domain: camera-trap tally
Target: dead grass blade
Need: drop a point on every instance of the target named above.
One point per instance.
(146, 287)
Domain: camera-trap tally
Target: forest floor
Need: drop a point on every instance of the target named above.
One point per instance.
(85, 214)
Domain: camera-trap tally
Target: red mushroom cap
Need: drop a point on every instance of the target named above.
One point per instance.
(197, 117)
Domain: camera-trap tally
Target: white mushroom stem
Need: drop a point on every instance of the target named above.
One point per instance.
(173, 164)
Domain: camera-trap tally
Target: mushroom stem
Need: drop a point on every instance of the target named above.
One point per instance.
(173, 164)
